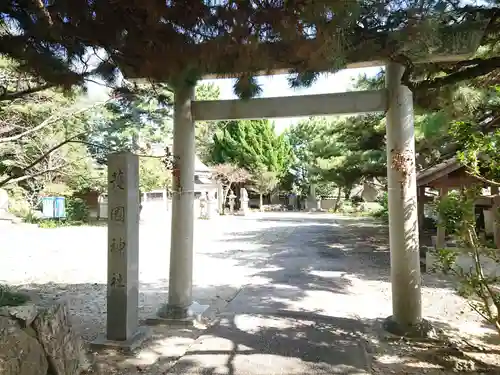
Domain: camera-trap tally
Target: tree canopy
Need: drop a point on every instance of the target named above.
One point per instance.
(340, 151)
(52, 143)
(351, 150)
(59, 44)
(54, 40)
(253, 145)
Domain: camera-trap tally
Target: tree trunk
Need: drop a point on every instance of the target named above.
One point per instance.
(261, 203)
(337, 200)
(347, 190)
(225, 190)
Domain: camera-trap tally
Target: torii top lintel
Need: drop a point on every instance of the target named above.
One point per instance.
(216, 59)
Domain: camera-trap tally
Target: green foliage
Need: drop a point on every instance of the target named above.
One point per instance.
(153, 175)
(76, 210)
(477, 151)
(325, 189)
(445, 259)
(139, 117)
(342, 152)
(30, 218)
(56, 144)
(350, 150)
(450, 208)
(77, 213)
(18, 204)
(205, 130)
(40, 136)
(264, 182)
(55, 35)
(252, 145)
(475, 283)
(303, 138)
(51, 223)
(132, 121)
(349, 208)
(383, 213)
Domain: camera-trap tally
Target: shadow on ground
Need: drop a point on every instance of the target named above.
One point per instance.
(266, 328)
(282, 342)
(87, 302)
(269, 340)
(449, 352)
(299, 252)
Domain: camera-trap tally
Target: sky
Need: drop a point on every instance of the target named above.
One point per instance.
(273, 86)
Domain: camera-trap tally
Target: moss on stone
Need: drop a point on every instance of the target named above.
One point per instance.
(9, 297)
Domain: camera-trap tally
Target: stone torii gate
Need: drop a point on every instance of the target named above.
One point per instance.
(395, 100)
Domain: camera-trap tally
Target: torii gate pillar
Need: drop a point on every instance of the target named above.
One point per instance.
(180, 306)
(403, 212)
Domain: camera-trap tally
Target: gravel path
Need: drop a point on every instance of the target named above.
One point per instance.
(70, 263)
(334, 265)
(318, 263)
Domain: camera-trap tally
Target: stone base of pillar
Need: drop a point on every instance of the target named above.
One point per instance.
(311, 205)
(243, 209)
(173, 315)
(134, 342)
(210, 209)
(424, 329)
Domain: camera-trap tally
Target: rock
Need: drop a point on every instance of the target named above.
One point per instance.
(36, 340)
(20, 354)
(38, 215)
(26, 314)
(64, 349)
(4, 200)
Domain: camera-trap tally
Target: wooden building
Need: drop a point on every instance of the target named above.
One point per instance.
(451, 175)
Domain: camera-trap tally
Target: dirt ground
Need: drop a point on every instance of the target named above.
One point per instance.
(443, 356)
(323, 264)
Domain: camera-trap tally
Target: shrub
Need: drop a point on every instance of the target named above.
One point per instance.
(50, 223)
(383, 213)
(76, 210)
(475, 284)
(31, 218)
(77, 213)
(451, 209)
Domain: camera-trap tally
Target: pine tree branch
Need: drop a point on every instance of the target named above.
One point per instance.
(478, 68)
(19, 94)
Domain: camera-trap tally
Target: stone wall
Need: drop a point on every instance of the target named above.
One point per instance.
(39, 340)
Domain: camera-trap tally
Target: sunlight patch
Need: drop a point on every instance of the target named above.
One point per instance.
(167, 347)
(255, 323)
(329, 274)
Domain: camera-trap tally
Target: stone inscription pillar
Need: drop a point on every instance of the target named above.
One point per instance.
(122, 327)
